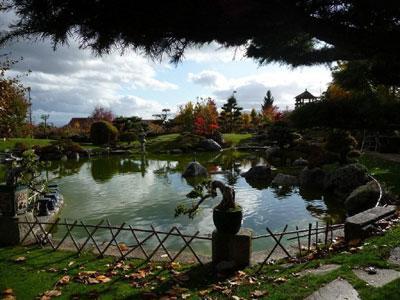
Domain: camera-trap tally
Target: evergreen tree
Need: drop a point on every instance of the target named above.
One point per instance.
(230, 116)
(268, 101)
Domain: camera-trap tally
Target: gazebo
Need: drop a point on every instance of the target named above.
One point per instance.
(304, 97)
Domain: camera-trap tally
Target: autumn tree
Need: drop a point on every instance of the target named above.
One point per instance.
(230, 116)
(13, 103)
(206, 117)
(100, 113)
(255, 118)
(201, 118)
(246, 121)
(185, 117)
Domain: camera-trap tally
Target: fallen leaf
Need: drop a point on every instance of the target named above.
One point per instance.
(123, 247)
(280, 280)
(258, 294)
(235, 297)
(227, 292)
(103, 279)
(185, 296)
(64, 280)
(52, 270)
(203, 292)
(164, 255)
(71, 263)
(20, 259)
(91, 280)
(8, 294)
(52, 293)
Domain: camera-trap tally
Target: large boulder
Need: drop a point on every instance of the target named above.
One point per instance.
(300, 162)
(210, 145)
(262, 172)
(312, 178)
(362, 198)
(344, 180)
(270, 151)
(284, 180)
(195, 169)
(218, 137)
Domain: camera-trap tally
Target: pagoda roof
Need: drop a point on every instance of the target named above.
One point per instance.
(305, 95)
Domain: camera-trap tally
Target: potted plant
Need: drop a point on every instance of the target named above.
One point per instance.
(227, 215)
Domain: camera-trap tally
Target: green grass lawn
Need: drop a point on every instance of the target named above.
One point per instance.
(385, 171)
(236, 138)
(10, 143)
(43, 268)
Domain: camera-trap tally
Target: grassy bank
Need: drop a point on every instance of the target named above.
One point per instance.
(385, 171)
(10, 143)
(44, 270)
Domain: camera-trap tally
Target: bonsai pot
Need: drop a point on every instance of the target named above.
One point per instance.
(228, 221)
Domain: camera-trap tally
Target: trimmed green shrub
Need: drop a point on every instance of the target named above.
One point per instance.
(342, 143)
(127, 137)
(103, 132)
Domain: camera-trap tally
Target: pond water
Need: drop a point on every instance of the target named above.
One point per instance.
(144, 191)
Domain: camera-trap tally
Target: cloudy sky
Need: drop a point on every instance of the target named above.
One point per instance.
(70, 82)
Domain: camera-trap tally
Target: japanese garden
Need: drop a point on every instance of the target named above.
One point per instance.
(136, 163)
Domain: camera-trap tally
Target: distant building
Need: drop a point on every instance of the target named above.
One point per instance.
(303, 98)
(80, 124)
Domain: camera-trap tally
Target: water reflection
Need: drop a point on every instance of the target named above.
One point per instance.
(144, 191)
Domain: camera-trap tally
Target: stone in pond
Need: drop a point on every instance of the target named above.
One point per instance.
(258, 173)
(284, 180)
(210, 145)
(300, 162)
(344, 180)
(195, 169)
(362, 198)
(312, 178)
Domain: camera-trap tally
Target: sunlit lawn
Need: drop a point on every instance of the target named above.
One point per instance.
(10, 143)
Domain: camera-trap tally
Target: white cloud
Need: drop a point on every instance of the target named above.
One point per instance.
(208, 78)
(250, 90)
(73, 81)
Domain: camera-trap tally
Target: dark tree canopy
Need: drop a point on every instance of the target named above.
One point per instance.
(294, 32)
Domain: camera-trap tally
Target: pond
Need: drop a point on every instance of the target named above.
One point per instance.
(144, 191)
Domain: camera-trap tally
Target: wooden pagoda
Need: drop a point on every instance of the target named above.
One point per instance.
(303, 98)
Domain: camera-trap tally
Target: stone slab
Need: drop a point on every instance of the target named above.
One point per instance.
(395, 256)
(382, 276)
(339, 289)
(371, 215)
(356, 227)
(321, 270)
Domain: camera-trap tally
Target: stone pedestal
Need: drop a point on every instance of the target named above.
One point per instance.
(232, 248)
(12, 233)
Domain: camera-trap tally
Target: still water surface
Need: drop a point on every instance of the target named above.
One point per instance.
(145, 191)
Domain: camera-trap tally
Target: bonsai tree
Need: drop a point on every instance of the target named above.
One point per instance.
(227, 215)
(207, 190)
(26, 171)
